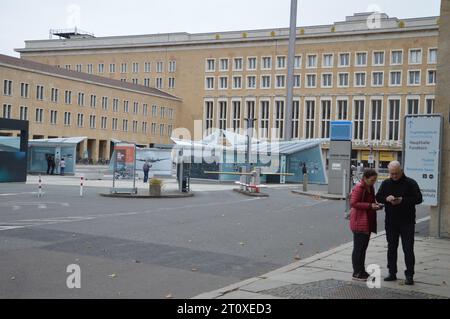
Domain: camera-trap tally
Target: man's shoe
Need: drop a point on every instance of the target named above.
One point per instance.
(359, 277)
(409, 281)
(391, 277)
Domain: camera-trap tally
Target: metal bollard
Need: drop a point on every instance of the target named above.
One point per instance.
(81, 186)
(305, 182)
(40, 186)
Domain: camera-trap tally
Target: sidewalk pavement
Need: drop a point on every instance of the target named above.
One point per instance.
(328, 276)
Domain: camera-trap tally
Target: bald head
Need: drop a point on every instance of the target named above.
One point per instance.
(395, 170)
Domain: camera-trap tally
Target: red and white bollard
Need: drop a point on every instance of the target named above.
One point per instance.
(40, 186)
(81, 186)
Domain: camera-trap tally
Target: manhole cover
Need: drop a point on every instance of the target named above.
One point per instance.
(338, 289)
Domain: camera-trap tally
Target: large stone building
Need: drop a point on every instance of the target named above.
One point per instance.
(64, 103)
(372, 72)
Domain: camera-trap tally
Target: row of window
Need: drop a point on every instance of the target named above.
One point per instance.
(235, 111)
(415, 56)
(164, 112)
(326, 80)
(124, 67)
(80, 121)
(159, 82)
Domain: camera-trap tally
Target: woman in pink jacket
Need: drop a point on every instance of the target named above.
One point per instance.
(363, 221)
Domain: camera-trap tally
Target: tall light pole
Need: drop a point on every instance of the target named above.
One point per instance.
(250, 126)
(290, 75)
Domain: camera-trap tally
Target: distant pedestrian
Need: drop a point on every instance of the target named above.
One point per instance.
(62, 166)
(52, 164)
(401, 194)
(49, 163)
(304, 169)
(363, 221)
(146, 169)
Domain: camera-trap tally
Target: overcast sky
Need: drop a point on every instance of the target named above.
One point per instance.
(22, 20)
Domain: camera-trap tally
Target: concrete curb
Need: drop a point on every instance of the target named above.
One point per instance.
(141, 196)
(250, 194)
(319, 194)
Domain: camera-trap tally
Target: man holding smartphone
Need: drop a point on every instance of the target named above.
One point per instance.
(400, 194)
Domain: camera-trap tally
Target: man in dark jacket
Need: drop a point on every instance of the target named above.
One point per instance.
(400, 194)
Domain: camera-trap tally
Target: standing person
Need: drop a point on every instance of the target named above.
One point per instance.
(52, 164)
(49, 163)
(62, 166)
(363, 221)
(401, 194)
(146, 169)
(304, 169)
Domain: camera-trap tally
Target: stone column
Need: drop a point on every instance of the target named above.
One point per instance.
(442, 106)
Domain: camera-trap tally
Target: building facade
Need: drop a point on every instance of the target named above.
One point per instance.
(62, 103)
(369, 69)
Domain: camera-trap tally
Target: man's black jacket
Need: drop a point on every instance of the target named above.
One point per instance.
(409, 190)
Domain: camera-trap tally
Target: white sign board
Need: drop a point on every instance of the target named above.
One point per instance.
(422, 154)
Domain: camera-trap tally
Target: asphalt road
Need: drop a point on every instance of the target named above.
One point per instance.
(156, 248)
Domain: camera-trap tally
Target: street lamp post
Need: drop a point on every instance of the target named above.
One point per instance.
(250, 124)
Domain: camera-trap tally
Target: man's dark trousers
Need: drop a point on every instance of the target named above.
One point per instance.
(394, 231)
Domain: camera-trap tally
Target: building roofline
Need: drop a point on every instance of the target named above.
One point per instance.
(45, 69)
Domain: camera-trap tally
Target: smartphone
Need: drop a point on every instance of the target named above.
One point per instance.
(381, 205)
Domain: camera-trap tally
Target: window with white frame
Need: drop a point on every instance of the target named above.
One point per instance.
(135, 126)
(171, 83)
(432, 55)
(327, 61)
(159, 67)
(311, 80)
(126, 106)
(144, 127)
(236, 115)
(7, 111)
(112, 68)
(280, 81)
(343, 79)
(92, 121)
(135, 81)
(396, 57)
(223, 64)
(154, 110)
(223, 115)
(23, 113)
(295, 119)
(7, 87)
(377, 78)
(360, 79)
(114, 124)
(310, 113)
(81, 99)
(431, 78)
(251, 63)
(223, 82)
(251, 82)
(325, 118)
(378, 58)
(358, 120)
(264, 119)
(53, 117)
(210, 65)
(250, 111)
(147, 82)
(281, 62)
(209, 115)
(162, 112)
(67, 66)
(415, 56)
(161, 129)
(412, 106)
(135, 107)
(39, 118)
(101, 68)
(125, 125)
(279, 119)
(266, 63)
(344, 59)
(24, 89)
(115, 105)
(105, 103)
(67, 118)
(237, 82)
(68, 97)
(342, 110)
(54, 95)
(104, 123)
(147, 67)
(79, 67)
(312, 61)
(154, 126)
(238, 64)
(209, 82)
(159, 83)
(135, 67)
(90, 68)
(80, 120)
(298, 62)
(123, 68)
(39, 92)
(172, 66)
(93, 102)
(327, 80)
(429, 105)
(297, 81)
(375, 120)
(265, 82)
(394, 120)
(361, 58)
(414, 77)
(395, 78)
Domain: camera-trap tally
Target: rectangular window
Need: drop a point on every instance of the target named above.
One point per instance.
(264, 119)
(397, 57)
(281, 62)
(90, 68)
(54, 95)
(161, 129)
(7, 87)
(115, 105)
(171, 83)
(123, 68)
(310, 119)
(377, 78)
(93, 101)
(210, 65)
(172, 66)
(412, 107)
(112, 68)
(251, 82)
(251, 63)
(159, 67)
(147, 67)
(431, 78)
(135, 126)
(298, 62)
(67, 118)
(327, 61)
(53, 117)
(24, 88)
(415, 56)
(266, 63)
(430, 105)
(342, 110)
(39, 116)
(40, 92)
(223, 82)
(154, 111)
(154, 128)
(432, 56)
(68, 97)
(114, 124)
(237, 82)
(325, 119)
(378, 58)
(237, 64)
(105, 103)
(343, 79)
(223, 115)
(23, 113)
(394, 120)
(209, 115)
(224, 64)
(297, 81)
(79, 68)
(358, 120)
(6, 111)
(279, 119)
(250, 111)
(327, 80)
(144, 127)
(361, 59)
(125, 125)
(344, 59)
(92, 121)
(209, 83)
(81, 99)
(145, 109)
(312, 61)
(126, 105)
(236, 115)
(375, 125)
(159, 83)
(281, 81)
(80, 120)
(395, 78)
(311, 80)
(295, 119)
(135, 108)
(414, 77)
(360, 79)
(135, 67)
(101, 68)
